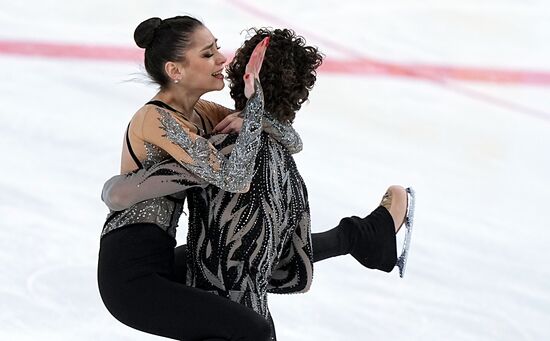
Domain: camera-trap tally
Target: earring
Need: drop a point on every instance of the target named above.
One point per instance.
(176, 81)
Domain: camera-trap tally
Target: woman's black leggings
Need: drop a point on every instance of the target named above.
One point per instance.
(137, 284)
(142, 280)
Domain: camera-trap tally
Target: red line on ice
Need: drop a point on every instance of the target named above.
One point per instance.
(436, 72)
(438, 75)
(355, 66)
(72, 51)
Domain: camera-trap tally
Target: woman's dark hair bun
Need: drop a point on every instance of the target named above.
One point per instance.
(145, 32)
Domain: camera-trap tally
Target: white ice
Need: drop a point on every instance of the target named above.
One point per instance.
(478, 268)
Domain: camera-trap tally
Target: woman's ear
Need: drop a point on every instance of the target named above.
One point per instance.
(174, 71)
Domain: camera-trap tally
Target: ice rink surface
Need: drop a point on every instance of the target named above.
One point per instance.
(473, 141)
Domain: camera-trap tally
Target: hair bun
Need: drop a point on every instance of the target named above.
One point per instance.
(145, 32)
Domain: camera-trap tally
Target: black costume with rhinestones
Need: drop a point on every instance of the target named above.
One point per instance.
(232, 259)
(136, 259)
(244, 245)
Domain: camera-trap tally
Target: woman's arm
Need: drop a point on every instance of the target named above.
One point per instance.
(164, 178)
(195, 162)
(235, 164)
(167, 131)
(170, 177)
(163, 129)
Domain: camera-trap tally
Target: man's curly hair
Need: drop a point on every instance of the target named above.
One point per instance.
(288, 72)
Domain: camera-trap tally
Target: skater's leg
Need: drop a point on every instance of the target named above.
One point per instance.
(371, 240)
(331, 243)
(135, 267)
(162, 307)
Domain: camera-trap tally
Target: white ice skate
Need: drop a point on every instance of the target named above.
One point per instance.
(409, 219)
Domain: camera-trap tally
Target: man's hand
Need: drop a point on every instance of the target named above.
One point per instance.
(232, 123)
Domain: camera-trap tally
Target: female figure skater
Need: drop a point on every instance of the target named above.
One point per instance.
(274, 214)
(135, 269)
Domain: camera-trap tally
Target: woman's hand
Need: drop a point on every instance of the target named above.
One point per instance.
(252, 71)
(232, 123)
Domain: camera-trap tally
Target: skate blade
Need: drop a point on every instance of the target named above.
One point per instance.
(402, 260)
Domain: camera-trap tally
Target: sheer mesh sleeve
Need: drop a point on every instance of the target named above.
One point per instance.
(199, 162)
(284, 133)
(199, 156)
(161, 179)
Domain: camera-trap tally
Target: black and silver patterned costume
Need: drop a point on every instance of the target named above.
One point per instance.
(242, 244)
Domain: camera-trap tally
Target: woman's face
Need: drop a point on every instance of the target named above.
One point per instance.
(203, 66)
